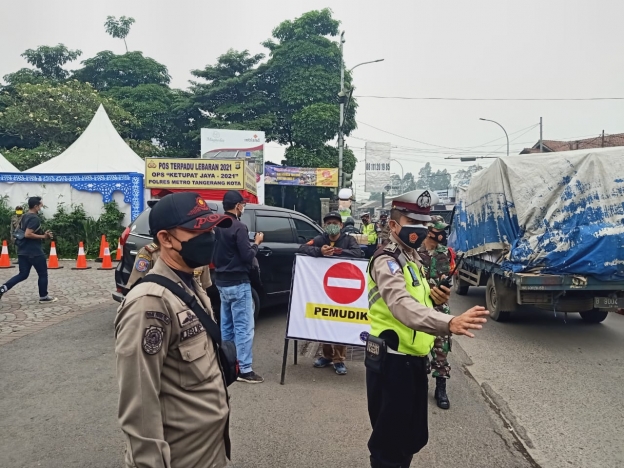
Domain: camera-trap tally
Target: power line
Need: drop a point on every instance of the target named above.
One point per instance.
(407, 98)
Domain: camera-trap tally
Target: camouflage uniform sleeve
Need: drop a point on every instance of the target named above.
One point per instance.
(142, 334)
(387, 273)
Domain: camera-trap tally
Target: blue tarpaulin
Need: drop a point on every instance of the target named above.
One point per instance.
(557, 213)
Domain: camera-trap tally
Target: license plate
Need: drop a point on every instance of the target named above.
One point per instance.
(609, 303)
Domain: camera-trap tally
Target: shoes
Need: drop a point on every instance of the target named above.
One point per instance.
(45, 300)
(440, 393)
(340, 368)
(322, 362)
(250, 377)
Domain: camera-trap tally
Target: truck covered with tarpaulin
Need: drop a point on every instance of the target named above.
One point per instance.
(546, 230)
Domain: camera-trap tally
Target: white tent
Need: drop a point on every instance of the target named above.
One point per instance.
(98, 149)
(6, 166)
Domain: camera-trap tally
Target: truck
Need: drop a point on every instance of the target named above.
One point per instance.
(545, 230)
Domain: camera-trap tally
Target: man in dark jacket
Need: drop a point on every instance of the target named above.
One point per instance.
(333, 243)
(233, 260)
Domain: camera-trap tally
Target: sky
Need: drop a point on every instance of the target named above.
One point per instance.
(482, 49)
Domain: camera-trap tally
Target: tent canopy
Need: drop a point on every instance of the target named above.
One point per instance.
(99, 149)
(6, 166)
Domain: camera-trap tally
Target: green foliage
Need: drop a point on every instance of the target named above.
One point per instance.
(119, 28)
(6, 212)
(108, 70)
(110, 225)
(325, 156)
(438, 180)
(464, 176)
(49, 61)
(25, 158)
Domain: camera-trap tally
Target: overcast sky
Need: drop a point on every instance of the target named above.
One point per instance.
(453, 48)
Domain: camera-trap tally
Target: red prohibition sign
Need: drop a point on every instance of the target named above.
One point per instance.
(344, 283)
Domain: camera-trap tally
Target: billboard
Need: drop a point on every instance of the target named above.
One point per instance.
(246, 145)
(301, 176)
(173, 173)
(377, 172)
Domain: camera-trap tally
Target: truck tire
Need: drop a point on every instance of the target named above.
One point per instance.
(460, 286)
(497, 298)
(256, 303)
(594, 316)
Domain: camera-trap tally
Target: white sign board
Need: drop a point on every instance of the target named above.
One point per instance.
(377, 172)
(217, 143)
(329, 301)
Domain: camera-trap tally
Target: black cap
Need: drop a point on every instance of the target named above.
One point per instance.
(186, 210)
(332, 215)
(232, 197)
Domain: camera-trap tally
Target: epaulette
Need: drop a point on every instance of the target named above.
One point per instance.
(393, 250)
(151, 248)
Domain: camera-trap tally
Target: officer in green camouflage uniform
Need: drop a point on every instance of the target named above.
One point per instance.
(436, 260)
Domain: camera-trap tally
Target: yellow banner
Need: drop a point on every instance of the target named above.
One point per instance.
(337, 313)
(250, 180)
(171, 173)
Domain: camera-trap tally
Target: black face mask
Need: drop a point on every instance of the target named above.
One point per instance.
(197, 252)
(413, 235)
(440, 237)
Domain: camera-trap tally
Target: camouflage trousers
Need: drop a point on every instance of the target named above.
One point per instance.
(440, 366)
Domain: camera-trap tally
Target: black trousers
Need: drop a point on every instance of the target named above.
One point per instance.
(397, 407)
(25, 264)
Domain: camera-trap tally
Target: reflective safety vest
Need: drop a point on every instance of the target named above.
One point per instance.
(370, 231)
(410, 341)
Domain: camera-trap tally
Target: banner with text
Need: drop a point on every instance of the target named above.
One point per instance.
(301, 176)
(329, 301)
(172, 173)
(377, 172)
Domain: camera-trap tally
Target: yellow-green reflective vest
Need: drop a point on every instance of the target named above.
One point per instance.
(370, 231)
(410, 342)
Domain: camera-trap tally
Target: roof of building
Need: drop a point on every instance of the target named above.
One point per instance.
(616, 139)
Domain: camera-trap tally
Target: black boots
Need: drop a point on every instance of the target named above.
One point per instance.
(440, 393)
(378, 464)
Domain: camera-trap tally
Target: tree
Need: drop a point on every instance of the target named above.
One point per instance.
(427, 179)
(107, 70)
(463, 176)
(56, 113)
(48, 62)
(120, 28)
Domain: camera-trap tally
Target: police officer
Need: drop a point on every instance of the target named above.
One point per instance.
(436, 260)
(145, 260)
(368, 229)
(404, 324)
(173, 402)
(383, 230)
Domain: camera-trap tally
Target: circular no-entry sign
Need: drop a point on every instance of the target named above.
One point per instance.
(344, 283)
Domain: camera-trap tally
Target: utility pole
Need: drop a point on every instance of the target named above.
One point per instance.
(603, 139)
(342, 105)
(541, 145)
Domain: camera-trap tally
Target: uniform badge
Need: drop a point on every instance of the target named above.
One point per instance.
(164, 318)
(200, 205)
(394, 267)
(191, 332)
(153, 339)
(141, 265)
(185, 317)
(424, 200)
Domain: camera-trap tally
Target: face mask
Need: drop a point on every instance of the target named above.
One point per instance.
(242, 210)
(440, 237)
(332, 229)
(413, 235)
(197, 252)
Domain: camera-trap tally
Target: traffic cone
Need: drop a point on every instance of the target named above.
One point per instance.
(102, 244)
(5, 260)
(53, 263)
(81, 261)
(119, 255)
(107, 262)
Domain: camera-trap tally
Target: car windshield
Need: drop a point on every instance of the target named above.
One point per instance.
(141, 224)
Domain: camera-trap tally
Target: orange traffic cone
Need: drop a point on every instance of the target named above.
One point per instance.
(53, 263)
(102, 245)
(5, 261)
(119, 255)
(81, 262)
(107, 262)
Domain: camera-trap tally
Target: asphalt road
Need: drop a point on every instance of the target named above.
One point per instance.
(558, 381)
(58, 399)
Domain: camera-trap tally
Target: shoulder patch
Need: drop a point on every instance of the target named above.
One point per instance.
(391, 247)
(151, 248)
(185, 317)
(164, 318)
(153, 339)
(393, 266)
(141, 265)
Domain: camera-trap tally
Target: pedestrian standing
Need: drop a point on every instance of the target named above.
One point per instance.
(15, 221)
(333, 243)
(30, 251)
(233, 260)
(404, 324)
(368, 229)
(173, 401)
(436, 260)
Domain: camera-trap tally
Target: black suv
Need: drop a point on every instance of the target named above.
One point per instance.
(284, 231)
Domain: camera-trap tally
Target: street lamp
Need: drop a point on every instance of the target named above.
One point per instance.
(343, 96)
(507, 136)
